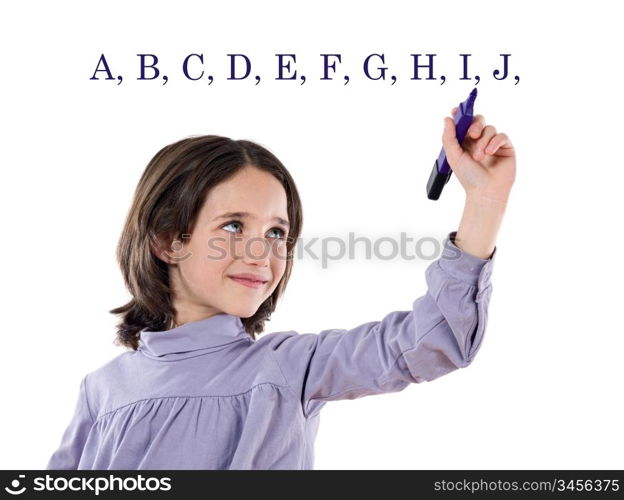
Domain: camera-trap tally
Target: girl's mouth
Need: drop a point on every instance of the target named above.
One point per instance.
(248, 283)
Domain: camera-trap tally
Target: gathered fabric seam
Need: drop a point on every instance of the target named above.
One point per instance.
(189, 397)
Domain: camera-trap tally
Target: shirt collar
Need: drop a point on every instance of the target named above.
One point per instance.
(194, 338)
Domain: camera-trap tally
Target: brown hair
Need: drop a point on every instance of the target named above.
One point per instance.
(167, 201)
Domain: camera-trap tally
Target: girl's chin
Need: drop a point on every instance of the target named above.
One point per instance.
(245, 310)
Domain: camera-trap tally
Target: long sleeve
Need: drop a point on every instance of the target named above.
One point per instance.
(68, 454)
(441, 333)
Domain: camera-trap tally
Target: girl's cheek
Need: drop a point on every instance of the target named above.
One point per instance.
(280, 252)
(278, 249)
(219, 249)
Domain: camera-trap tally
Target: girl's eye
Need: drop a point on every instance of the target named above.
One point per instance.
(230, 223)
(235, 222)
(281, 231)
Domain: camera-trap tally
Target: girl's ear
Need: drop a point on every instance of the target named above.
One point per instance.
(161, 247)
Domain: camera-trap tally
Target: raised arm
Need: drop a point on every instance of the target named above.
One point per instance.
(441, 333)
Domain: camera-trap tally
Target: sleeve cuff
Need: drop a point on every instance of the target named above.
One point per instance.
(464, 266)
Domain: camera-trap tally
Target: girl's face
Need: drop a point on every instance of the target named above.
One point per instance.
(252, 242)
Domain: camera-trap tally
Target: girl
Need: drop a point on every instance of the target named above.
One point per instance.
(206, 252)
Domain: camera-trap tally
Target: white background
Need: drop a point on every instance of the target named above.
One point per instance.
(545, 390)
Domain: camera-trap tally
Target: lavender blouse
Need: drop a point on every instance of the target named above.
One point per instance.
(205, 395)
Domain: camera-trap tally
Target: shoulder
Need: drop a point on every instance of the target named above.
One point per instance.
(274, 341)
(115, 368)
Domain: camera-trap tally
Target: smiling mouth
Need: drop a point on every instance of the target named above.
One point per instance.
(249, 283)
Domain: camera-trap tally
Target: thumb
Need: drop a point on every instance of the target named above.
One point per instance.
(449, 140)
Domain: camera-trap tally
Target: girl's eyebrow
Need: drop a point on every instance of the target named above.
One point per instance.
(242, 215)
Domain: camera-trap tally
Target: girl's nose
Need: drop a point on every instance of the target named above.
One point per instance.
(256, 250)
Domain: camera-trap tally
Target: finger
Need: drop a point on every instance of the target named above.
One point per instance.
(486, 136)
(454, 110)
(498, 141)
(451, 146)
(476, 127)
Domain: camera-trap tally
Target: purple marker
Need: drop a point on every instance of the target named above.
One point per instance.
(441, 172)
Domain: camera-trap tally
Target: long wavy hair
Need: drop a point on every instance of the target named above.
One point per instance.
(166, 203)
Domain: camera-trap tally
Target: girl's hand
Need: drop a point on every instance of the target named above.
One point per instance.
(485, 163)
